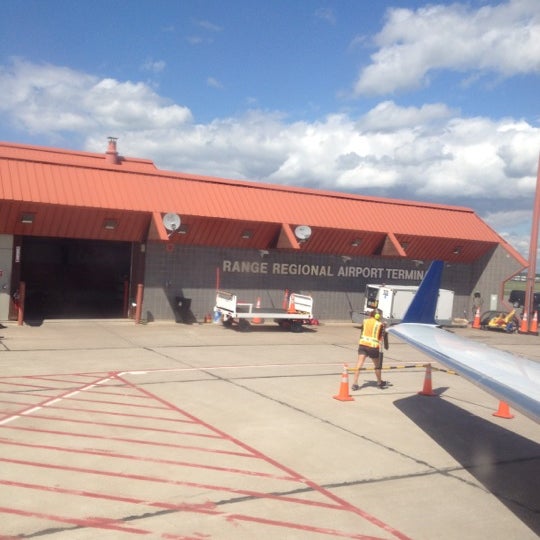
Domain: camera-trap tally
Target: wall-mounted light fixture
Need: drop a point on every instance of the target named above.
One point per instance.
(27, 218)
(183, 229)
(405, 245)
(356, 242)
(246, 235)
(457, 250)
(110, 224)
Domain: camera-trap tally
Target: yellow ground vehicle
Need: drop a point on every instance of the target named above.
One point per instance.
(506, 322)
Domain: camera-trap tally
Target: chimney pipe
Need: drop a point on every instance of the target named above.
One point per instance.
(112, 155)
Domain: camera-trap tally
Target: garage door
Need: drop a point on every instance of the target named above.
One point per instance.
(71, 278)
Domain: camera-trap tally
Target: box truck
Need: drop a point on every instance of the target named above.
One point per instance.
(393, 301)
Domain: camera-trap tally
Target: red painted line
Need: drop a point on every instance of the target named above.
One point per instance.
(115, 455)
(118, 394)
(97, 411)
(94, 523)
(126, 426)
(90, 374)
(130, 441)
(290, 525)
(24, 403)
(368, 517)
(52, 378)
(166, 536)
(168, 481)
(52, 400)
(26, 385)
(339, 503)
(105, 402)
(205, 508)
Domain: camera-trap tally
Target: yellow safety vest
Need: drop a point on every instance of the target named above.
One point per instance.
(371, 333)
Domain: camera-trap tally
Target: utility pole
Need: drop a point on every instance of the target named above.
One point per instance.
(533, 247)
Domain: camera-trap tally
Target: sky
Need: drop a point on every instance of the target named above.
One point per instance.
(433, 102)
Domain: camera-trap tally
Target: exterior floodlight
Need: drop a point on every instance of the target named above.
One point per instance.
(110, 224)
(27, 218)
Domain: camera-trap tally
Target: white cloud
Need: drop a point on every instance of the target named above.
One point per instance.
(387, 116)
(213, 82)
(326, 14)
(154, 66)
(210, 26)
(206, 26)
(502, 39)
(420, 153)
(197, 40)
(42, 98)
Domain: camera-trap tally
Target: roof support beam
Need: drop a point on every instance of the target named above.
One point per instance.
(392, 247)
(287, 239)
(157, 230)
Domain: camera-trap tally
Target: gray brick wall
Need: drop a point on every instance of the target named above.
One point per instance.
(336, 283)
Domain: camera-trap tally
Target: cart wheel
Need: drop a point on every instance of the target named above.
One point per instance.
(227, 323)
(296, 326)
(243, 325)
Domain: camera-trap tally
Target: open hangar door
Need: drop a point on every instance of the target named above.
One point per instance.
(73, 278)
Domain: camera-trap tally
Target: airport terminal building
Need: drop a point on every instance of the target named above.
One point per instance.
(88, 233)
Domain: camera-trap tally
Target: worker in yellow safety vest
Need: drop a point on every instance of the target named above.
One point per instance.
(372, 337)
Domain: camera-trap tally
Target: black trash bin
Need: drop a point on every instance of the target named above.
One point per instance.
(183, 309)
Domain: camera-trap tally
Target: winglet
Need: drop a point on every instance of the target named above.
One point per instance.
(423, 305)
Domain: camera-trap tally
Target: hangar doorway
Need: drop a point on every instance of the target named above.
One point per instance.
(71, 278)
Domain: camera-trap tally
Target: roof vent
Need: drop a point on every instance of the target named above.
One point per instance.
(112, 155)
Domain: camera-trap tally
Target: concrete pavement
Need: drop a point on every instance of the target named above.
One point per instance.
(114, 430)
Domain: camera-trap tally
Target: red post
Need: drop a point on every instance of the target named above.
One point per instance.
(126, 298)
(139, 300)
(20, 307)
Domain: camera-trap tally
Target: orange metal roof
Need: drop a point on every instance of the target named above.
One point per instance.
(72, 193)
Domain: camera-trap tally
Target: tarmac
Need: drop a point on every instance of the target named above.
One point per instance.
(113, 430)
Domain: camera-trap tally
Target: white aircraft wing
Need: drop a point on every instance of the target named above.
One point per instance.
(510, 377)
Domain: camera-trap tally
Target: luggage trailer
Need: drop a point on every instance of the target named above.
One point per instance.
(299, 311)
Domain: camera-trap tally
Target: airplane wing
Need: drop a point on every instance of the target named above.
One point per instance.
(510, 377)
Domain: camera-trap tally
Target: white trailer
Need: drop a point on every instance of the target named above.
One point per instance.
(393, 301)
(299, 311)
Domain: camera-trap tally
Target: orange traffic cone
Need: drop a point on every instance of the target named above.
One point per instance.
(285, 298)
(427, 390)
(292, 307)
(476, 322)
(534, 324)
(257, 320)
(344, 386)
(503, 411)
(524, 328)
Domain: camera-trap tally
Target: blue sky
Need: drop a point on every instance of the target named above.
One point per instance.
(424, 101)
